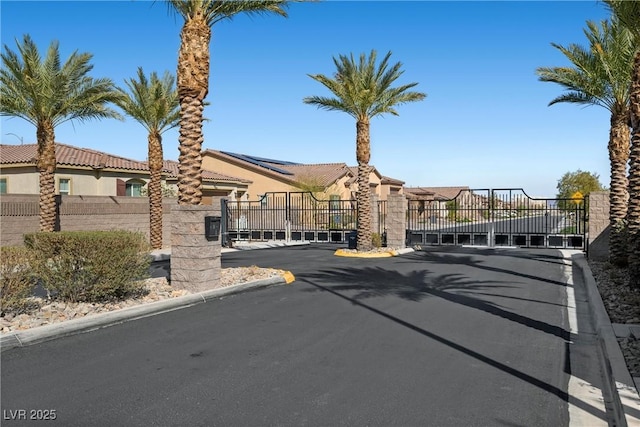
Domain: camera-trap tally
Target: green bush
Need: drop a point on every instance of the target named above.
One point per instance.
(16, 279)
(90, 266)
(376, 240)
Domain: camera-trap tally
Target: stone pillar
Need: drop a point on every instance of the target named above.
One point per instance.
(195, 261)
(598, 231)
(375, 214)
(396, 220)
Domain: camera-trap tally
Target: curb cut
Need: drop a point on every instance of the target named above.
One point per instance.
(620, 387)
(90, 323)
(388, 254)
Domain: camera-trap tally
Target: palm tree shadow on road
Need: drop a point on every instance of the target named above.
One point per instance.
(377, 282)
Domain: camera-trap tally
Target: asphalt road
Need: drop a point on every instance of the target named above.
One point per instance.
(446, 337)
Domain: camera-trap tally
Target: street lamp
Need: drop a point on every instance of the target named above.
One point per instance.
(17, 136)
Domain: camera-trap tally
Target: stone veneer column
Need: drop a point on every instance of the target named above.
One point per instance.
(396, 220)
(375, 212)
(195, 261)
(598, 237)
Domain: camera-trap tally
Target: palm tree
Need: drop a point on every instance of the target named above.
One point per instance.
(628, 13)
(600, 76)
(153, 102)
(363, 90)
(47, 93)
(193, 79)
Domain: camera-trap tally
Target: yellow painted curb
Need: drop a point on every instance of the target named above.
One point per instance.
(343, 253)
(288, 277)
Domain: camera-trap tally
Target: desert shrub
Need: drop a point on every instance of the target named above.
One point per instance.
(16, 279)
(376, 240)
(90, 266)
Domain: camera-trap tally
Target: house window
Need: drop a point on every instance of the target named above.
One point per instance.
(64, 186)
(3, 185)
(133, 189)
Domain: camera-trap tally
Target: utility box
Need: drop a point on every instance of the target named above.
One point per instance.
(352, 238)
(212, 227)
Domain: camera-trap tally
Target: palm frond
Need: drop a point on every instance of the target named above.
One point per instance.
(363, 87)
(45, 89)
(214, 11)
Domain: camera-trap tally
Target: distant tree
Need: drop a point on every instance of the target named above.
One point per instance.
(363, 90)
(46, 93)
(572, 185)
(628, 13)
(193, 78)
(153, 102)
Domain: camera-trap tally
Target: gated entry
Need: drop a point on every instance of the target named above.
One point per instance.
(498, 217)
(297, 216)
(485, 217)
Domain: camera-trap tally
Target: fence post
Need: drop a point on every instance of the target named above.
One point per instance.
(195, 261)
(396, 220)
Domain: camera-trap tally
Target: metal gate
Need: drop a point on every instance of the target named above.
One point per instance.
(296, 216)
(498, 217)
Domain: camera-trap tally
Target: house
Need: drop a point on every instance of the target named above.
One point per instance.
(435, 202)
(87, 172)
(328, 180)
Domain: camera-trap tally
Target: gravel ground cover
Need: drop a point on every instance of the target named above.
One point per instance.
(622, 303)
(50, 311)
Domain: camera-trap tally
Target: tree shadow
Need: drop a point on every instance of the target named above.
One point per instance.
(370, 282)
(440, 257)
(550, 388)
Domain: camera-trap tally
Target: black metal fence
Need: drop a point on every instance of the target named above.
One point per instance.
(297, 216)
(498, 217)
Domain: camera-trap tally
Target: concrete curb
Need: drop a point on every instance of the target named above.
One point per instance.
(102, 320)
(619, 385)
(343, 253)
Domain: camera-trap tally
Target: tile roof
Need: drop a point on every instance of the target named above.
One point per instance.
(68, 155)
(391, 181)
(438, 192)
(325, 173)
(171, 168)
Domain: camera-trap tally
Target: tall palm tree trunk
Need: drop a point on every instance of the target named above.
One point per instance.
(619, 137)
(155, 190)
(193, 86)
(363, 155)
(633, 212)
(47, 168)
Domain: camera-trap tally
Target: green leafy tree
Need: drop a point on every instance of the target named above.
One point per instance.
(628, 13)
(600, 75)
(47, 92)
(153, 102)
(363, 90)
(574, 186)
(193, 78)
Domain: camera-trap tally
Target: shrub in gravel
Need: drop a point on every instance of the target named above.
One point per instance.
(90, 266)
(16, 279)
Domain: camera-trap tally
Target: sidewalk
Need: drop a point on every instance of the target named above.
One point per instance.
(616, 376)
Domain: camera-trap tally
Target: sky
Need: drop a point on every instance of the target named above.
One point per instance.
(485, 122)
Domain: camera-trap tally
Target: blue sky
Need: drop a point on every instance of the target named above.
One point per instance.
(484, 124)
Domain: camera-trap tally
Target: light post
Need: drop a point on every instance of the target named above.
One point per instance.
(17, 136)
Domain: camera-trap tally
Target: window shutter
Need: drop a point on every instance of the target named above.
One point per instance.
(121, 188)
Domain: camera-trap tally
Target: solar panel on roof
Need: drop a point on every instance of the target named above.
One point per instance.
(277, 162)
(253, 161)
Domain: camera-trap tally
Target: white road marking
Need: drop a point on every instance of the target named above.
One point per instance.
(578, 389)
